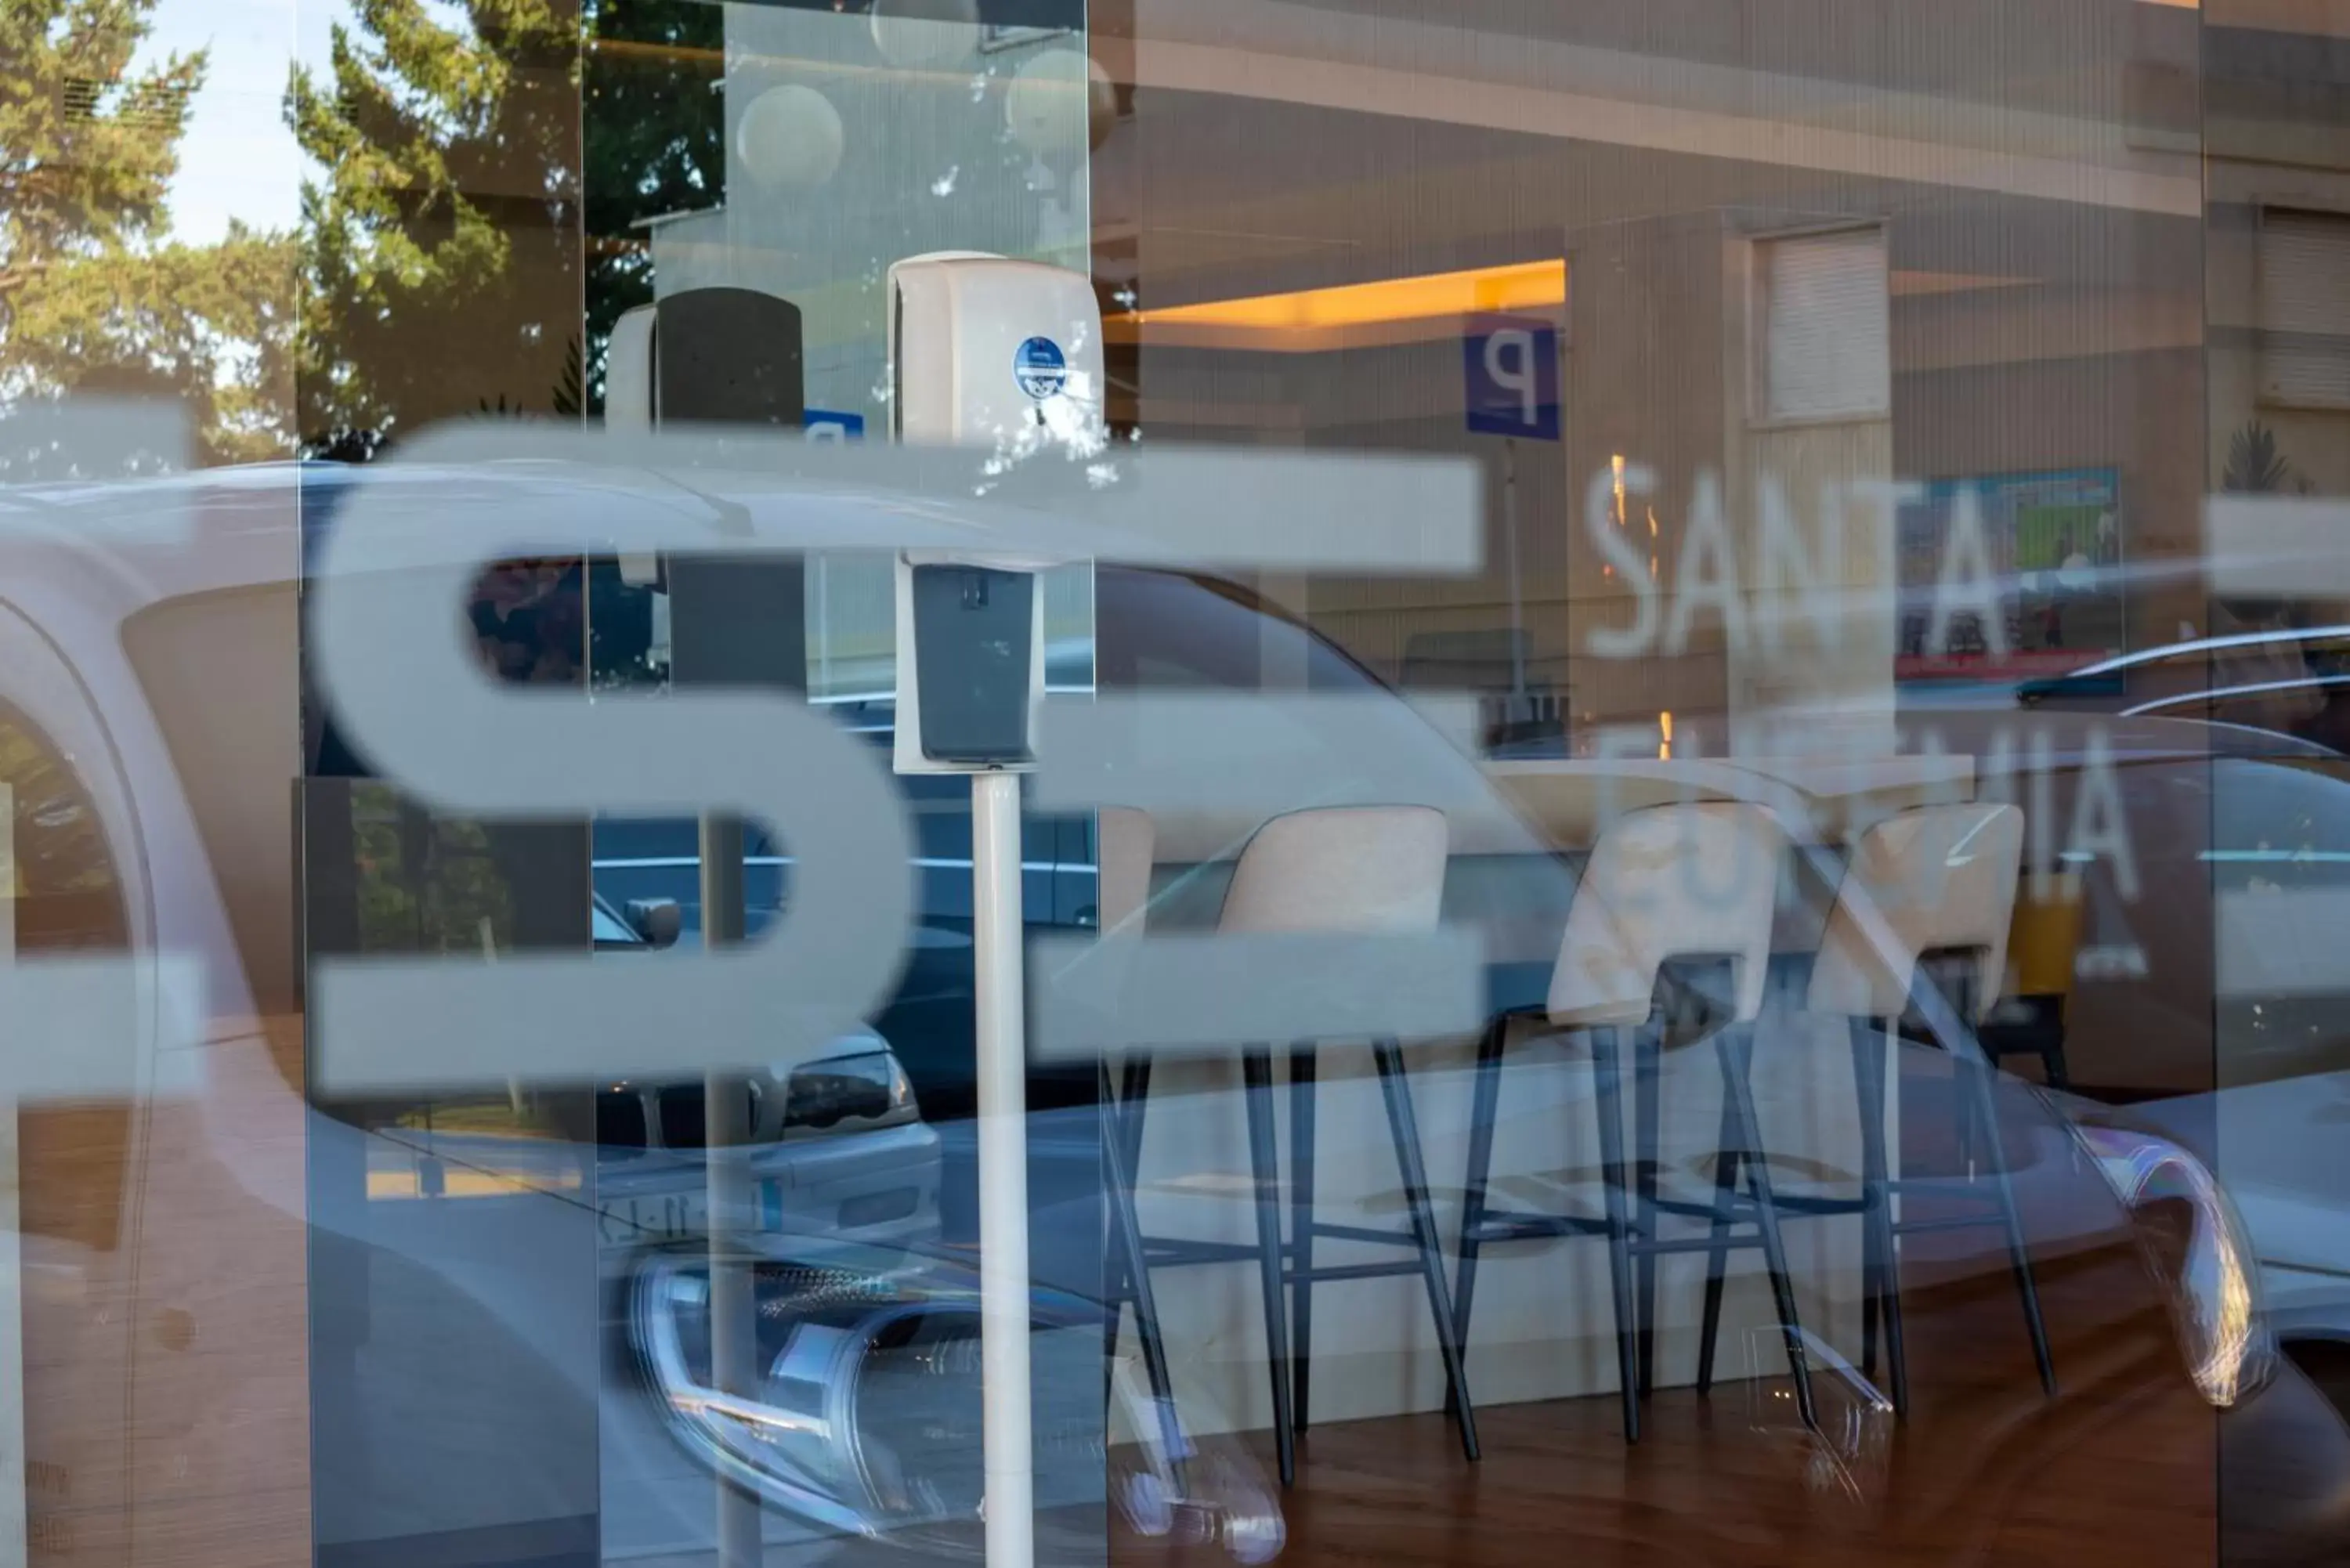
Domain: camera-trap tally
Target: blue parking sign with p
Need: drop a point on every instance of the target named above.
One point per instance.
(1511, 367)
(824, 425)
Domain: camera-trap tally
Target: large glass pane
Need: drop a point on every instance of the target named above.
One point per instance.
(1078, 779)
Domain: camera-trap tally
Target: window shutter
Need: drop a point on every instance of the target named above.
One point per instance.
(1826, 341)
(2304, 309)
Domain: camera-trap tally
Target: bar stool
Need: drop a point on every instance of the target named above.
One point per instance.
(1334, 869)
(1928, 889)
(1642, 923)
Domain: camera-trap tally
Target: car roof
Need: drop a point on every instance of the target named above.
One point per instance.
(2278, 637)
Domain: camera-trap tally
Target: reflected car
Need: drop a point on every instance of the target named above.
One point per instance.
(2082, 1165)
(841, 1144)
(2288, 680)
(164, 675)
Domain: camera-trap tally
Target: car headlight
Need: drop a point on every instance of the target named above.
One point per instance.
(867, 1419)
(2210, 1273)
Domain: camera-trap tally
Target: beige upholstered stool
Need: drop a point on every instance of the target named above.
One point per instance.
(1368, 870)
(1669, 893)
(1927, 900)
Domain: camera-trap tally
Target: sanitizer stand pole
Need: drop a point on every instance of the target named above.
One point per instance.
(1000, 982)
(725, 1108)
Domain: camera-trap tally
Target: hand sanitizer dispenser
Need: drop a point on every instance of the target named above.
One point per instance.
(1004, 356)
(986, 351)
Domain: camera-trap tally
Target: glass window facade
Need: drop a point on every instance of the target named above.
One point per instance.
(1075, 781)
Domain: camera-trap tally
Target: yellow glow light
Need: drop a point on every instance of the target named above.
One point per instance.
(1526, 285)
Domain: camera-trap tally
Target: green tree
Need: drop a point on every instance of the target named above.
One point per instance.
(653, 144)
(2254, 463)
(441, 238)
(94, 297)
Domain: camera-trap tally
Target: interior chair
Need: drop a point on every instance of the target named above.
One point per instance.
(1926, 900)
(1668, 944)
(1338, 869)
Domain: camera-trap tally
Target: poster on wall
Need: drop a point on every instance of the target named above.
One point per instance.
(2055, 545)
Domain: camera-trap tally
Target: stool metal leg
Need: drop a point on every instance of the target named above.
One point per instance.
(1117, 1273)
(1301, 1229)
(1483, 1111)
(1256, 1079)
(1870, 1255)
(1881, 1249)
(1735, 1048)
(1607, 1071)
(1120, 1119)
(1726, 1157)
(2051, 1066)
(1133, 1100)
(1129, 1276)
(2051, 1054)
(1131, 1267)
(1647, 1116)
(1405, 1126)
(1867, 1300)
(1966, 1137)
(1978, 1073)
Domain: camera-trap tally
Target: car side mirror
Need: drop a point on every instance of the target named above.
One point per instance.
(658, 920)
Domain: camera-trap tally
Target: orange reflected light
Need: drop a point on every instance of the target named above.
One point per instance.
(1526, 285)
(1665, 737)
(1616, 467)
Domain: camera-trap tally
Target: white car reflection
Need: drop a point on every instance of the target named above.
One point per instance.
(466, 1332)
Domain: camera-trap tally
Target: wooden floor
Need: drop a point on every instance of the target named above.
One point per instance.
(2119, 1468)
(168, 1426)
